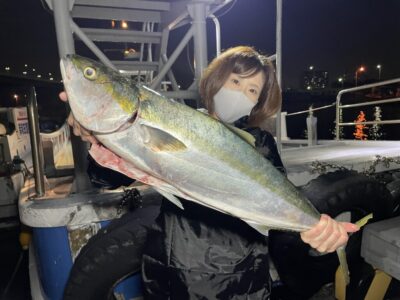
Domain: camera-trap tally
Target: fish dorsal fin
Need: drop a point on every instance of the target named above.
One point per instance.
(244, 135)
(158, 140)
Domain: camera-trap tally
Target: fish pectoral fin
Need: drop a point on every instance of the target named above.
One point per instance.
(170, 197)
(159, 140)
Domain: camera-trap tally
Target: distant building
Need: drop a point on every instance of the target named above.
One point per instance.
(314, 79)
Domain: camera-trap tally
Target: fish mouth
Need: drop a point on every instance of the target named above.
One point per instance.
(65, 64)
(63, 69)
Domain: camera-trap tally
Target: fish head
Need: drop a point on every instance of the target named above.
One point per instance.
(101, 99)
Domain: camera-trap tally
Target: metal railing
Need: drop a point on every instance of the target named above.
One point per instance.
(339, 106)
(311, 127)
(59, 139)
(311, 110)
(197, 14)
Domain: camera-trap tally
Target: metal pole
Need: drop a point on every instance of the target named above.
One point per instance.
(337, 125)
(356, 77)
(36, 143)
(217, 34)
(279, 68)
(66, 46)
(198, 13)
(92, 46)
(172, 58)
(62, 20)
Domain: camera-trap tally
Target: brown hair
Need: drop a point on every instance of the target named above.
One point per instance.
(244, 61)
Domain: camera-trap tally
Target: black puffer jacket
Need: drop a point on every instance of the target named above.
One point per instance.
(199, 253)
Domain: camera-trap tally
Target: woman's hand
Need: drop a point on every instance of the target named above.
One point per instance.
(78, 130)
(328, 235)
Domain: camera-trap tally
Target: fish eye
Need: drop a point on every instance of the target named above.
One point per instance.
(89, 73)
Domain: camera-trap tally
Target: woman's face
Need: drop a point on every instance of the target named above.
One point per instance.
(250, 86)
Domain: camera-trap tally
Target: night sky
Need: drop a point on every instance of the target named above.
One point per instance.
(333, 35)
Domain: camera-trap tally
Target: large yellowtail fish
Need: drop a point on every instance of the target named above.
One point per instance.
(180, 151)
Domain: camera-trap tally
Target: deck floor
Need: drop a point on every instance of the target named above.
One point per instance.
(343, 152)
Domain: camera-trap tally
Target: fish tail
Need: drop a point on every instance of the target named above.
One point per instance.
(341, 253)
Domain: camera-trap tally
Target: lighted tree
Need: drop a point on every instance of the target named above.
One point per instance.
(341, 132)
(359, 133)
(375, 130)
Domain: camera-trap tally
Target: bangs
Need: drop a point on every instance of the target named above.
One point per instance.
(247, 68)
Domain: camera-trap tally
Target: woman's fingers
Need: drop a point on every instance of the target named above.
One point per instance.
(342, 239)
(311, 235)
(332, 237)
(78, 130)
(63, 96)
(328, 235)
(350, 227)
(70, 120)
(87, 136)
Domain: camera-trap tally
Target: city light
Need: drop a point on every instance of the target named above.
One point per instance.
(379, 67)
(124, 24)
(16, 97)
(359, 70)
(130, 53)
(311, 68)
(27, 70)
(341, 81)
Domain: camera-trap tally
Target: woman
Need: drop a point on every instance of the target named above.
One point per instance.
(199, 253)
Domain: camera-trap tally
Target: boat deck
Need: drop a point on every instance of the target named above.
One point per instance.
(355, 155)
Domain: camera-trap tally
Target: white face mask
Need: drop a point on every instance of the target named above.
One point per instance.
(231, 105)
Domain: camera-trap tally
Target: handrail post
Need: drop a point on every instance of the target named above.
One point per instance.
(36, 143)
(65, 43)
(278, 64)
(337, 126)
(198, 12)
(311, 127)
